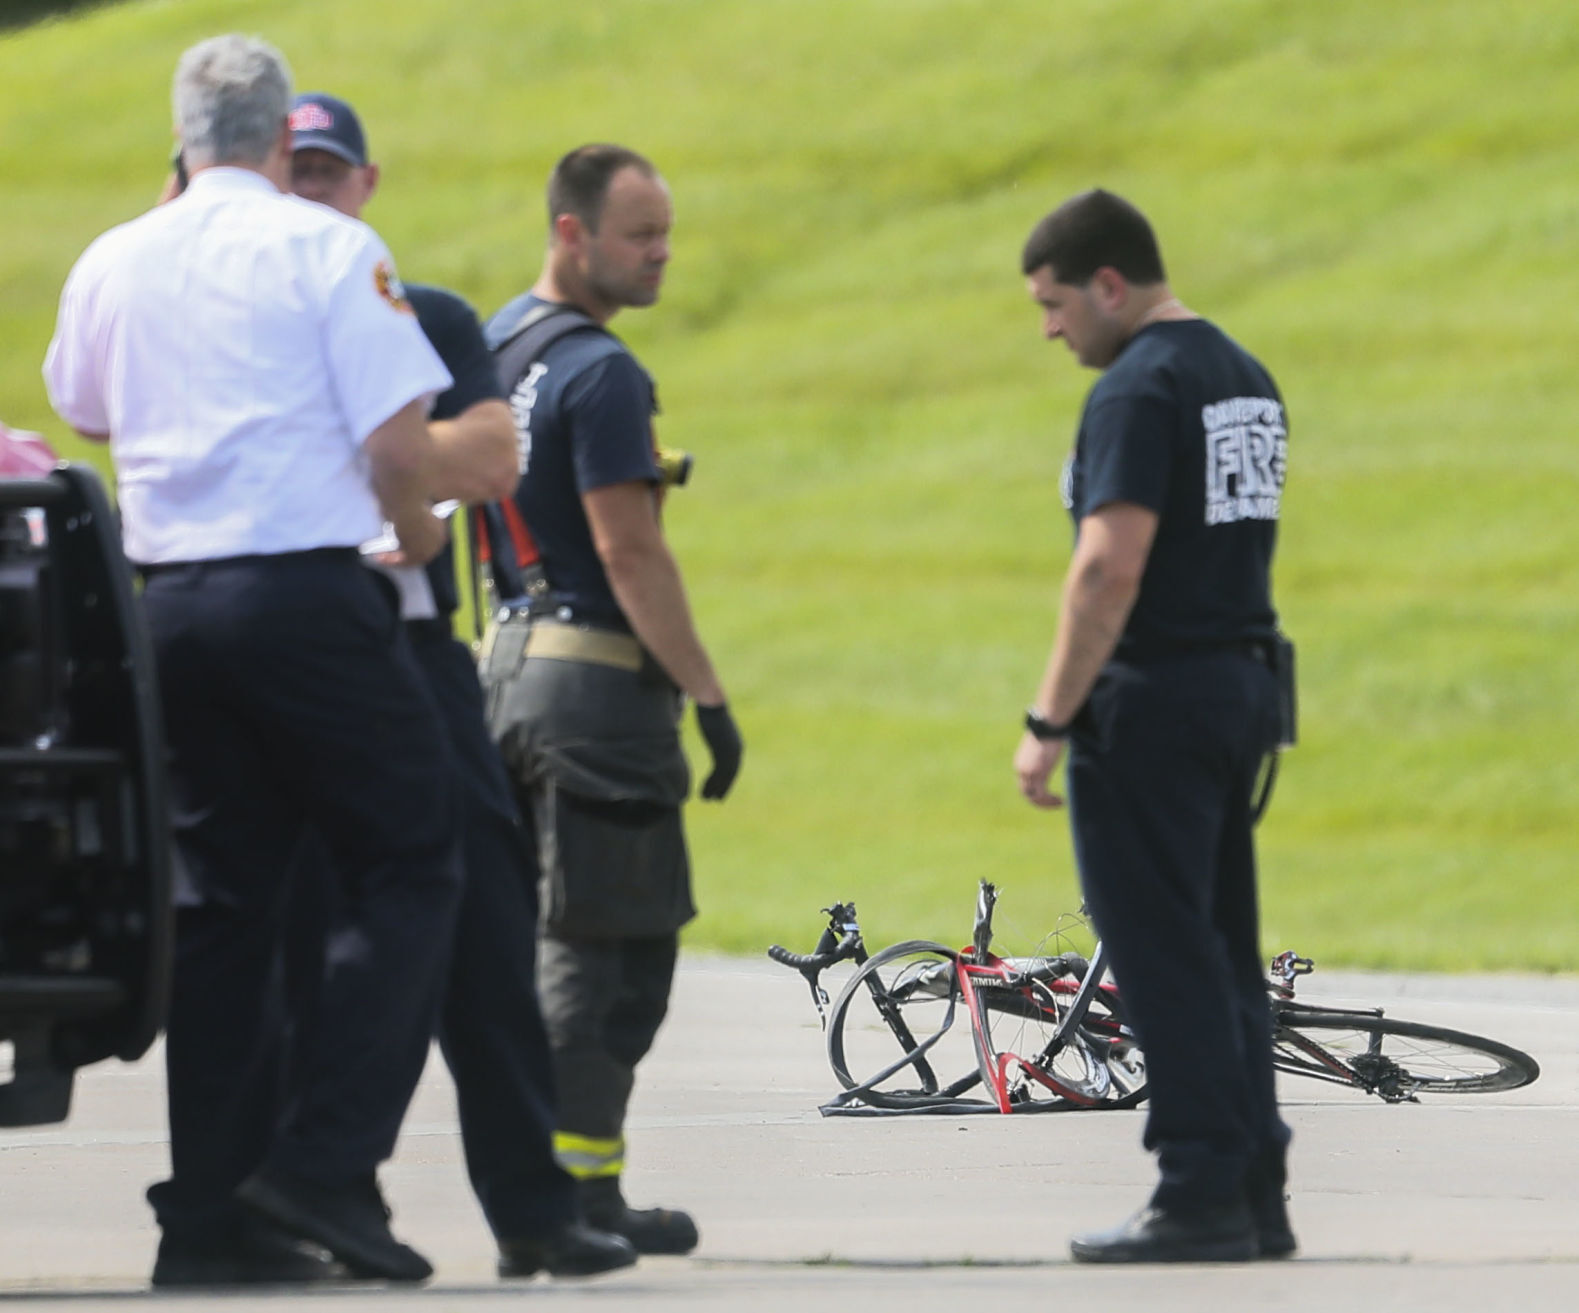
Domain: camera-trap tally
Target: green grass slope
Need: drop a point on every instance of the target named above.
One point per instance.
(1377, 199)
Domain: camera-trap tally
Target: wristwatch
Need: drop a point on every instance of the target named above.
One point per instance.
(1042, 728)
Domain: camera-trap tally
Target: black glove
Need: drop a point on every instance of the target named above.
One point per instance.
(726, 745)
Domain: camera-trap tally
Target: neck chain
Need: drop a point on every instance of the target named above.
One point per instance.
(1156, 312)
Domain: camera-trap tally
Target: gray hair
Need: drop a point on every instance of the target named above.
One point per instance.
(231, 96)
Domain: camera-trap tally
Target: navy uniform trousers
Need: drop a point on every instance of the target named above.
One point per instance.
(490, 1027)
(1162, 766)
(292, 704)
(492, 1030)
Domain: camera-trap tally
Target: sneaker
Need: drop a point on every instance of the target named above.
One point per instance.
(349, 1219)
(571, 1250)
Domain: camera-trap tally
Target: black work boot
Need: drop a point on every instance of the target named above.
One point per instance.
(650, 1230)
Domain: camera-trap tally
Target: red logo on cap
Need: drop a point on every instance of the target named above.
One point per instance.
(311, 118)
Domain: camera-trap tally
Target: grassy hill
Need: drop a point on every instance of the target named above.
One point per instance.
(1377, 199)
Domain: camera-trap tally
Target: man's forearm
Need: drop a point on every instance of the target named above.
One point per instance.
(648, 587)
(473, 456)
(1095, 606)
(399, 452)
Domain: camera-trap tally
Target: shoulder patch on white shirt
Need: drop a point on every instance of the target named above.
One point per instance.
(389, 286)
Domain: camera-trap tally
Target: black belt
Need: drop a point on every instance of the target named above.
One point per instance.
(1259, 649)
(256, 558)
(548, 613)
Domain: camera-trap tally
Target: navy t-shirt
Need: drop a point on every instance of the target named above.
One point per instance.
(451, 327)
(583, 419)
(1188, 424)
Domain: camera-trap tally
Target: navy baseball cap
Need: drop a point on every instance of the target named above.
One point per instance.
(324, 122)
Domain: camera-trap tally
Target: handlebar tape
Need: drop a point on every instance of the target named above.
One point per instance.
(815, 961)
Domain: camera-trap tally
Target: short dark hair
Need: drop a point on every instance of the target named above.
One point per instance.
(1091, 231)
(580, 181)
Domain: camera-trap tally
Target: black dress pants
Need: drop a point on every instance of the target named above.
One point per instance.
(492, 1028)
(292, 703)
(1162, 765)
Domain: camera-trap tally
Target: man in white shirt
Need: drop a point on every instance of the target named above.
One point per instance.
(253, 364)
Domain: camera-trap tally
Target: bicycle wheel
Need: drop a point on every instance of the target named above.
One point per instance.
(1027, 1067)
(1394, 1059)
(899, 1034)
(1106, 1029)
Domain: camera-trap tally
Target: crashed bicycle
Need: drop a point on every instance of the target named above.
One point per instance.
(920, 1027)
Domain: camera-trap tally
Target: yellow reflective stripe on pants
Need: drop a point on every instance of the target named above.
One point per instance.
(587, 1157)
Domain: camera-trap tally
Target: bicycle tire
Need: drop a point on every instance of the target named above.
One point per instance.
(856, 1016)
(1394, 1058)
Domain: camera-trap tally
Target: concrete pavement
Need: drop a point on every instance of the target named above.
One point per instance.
(1470, 1200)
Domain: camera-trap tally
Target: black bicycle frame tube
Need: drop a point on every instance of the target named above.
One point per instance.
(1083, 996)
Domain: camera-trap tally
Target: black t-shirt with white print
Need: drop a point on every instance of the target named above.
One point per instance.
(583, 421)
(1188, 424)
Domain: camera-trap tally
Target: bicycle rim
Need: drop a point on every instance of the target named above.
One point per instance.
(1109, 1036)
(1396, 1059)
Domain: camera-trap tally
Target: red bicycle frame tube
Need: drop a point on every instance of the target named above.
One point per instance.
(995, 1066)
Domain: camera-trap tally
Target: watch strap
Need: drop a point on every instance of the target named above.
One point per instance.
(1042, 728)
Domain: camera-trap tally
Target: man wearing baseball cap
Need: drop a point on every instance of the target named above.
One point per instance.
(320, 121)
(491, 1028)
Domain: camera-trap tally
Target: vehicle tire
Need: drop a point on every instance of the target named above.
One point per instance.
(1395, 1059)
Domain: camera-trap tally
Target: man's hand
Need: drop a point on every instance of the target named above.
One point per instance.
(724, 742)
(1034, 762)
(422, 537)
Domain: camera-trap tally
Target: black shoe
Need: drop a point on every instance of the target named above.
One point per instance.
(258, 1254)
(1269, 1210)
(1275, 1241)
(350, 1220)
(1274, 1235)
(571, 1250)
(1207, 1235)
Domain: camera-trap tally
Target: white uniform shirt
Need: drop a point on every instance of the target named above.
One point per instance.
(238, 345)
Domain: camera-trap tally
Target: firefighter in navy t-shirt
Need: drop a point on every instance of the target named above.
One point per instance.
(1160, 682)
(586, 676)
